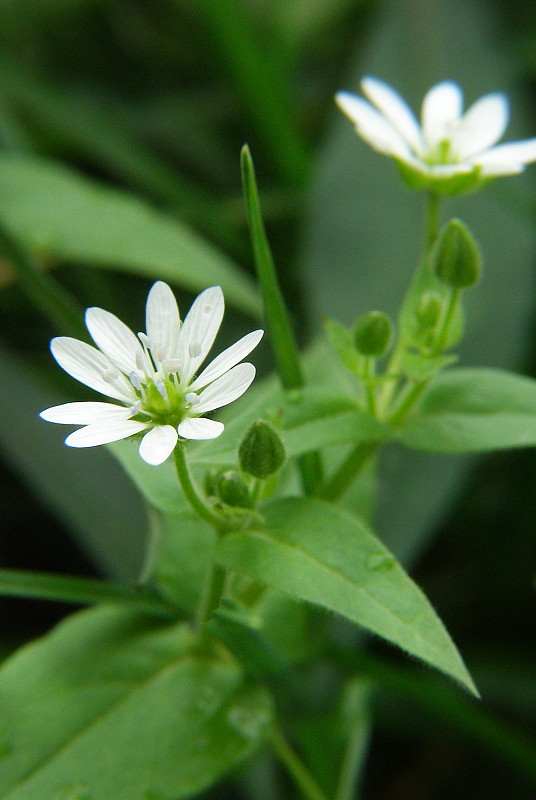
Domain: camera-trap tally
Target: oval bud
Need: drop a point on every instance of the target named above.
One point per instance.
(373, 334)
(429, 310)
(261, 452)
(233, 489)
(456, 257)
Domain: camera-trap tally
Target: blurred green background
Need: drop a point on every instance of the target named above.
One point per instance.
(121, 123)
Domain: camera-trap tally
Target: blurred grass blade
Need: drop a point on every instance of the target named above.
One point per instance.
(68, 589)
(58, 213)
(41, 289)
(262, 89)
(285, 348)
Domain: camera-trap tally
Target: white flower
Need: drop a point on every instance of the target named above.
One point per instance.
(449, 151)
(153, 375)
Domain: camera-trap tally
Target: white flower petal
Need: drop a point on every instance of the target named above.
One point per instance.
(113, 337)
(441, 110)
(84, 413)
(227, 359)
(372, 126)
(104, 432)
(225, 389)
(87, 365)
(481, 126)
(395, 109)
(522, 152)
(191, 428)
(449, 170)
(158, 444)
(500, 170)
(199, 330)
(162, 318)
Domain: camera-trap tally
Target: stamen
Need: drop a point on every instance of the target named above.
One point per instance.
(144, 339)
(192, 398)
(110, 375)
(172, 364)
(161, 386)
(135, 380)
(158, 351)
(194, 348)
(135, 409)
(139, 361)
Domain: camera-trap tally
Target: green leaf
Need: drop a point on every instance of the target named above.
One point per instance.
(472, 410)
(57, 212)
(364, 230)
(168, 720)
(319, 553)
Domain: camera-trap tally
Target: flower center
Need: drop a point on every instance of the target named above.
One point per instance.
(441, 153)
(163, 401)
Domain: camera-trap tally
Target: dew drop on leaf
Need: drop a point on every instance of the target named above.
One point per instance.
(380, 562)
(73, 792)
(248, 722)
(207, 701)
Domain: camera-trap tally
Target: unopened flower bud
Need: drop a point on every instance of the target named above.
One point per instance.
(261, 452)
(456, 257)
(429, 310)
(233, 489)
(373, 334)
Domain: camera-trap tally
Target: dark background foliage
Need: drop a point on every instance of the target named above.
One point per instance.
(156, 97)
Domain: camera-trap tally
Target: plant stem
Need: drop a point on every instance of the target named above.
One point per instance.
(432, 220)
(211, 594)
(67, 589)
(370, 389)
(352, 761)
(356, 459)
(295, 766)
(191, 492)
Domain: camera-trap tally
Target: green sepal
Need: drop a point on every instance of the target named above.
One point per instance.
(341, 340)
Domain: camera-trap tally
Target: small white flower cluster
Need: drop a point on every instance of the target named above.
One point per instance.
(449, 152)
(153, 375)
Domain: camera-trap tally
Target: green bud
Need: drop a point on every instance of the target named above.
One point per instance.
(212, 478)
(456, 257)
(261, 452)
(233, 489)
(429, 310)
(373, 334)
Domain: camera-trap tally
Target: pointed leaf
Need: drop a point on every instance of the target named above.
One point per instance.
(319, 553)
(473, 410)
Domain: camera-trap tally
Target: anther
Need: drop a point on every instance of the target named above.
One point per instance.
(157, 351)
(161, 386)
(192, 398)
(110, 375)
(135, 408)
(135, 380)
(194, 348)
